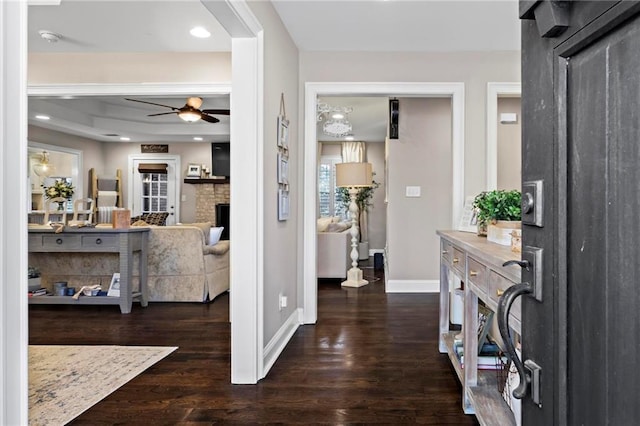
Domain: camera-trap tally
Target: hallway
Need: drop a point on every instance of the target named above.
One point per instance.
(372, 358)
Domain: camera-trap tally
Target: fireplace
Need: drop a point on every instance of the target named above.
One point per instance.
(222, 219)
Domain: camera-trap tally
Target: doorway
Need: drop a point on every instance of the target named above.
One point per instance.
(454, 91)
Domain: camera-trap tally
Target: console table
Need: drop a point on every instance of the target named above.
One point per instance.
(125, 242)
(478, 263)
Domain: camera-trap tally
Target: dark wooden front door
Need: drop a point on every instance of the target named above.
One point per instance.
(581, 146)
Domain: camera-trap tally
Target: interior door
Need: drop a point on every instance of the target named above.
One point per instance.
(581, 198)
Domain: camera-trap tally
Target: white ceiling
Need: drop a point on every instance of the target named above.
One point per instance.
(401, 25)
(323, 25)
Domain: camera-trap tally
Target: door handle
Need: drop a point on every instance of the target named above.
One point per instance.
(504, 306)
(529, 372)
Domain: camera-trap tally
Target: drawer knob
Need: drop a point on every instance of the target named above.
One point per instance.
(499, 292)
(456, 260)
(444, 252)
(58, 240)
(473, 273)
(98, 240)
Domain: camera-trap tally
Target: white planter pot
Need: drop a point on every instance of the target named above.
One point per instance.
(34, 283)
(363, 250)
(500, 232)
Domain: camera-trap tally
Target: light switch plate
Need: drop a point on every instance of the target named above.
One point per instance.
(413, 191)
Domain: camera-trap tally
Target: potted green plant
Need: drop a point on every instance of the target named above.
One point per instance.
(363, 201)
(498, 213)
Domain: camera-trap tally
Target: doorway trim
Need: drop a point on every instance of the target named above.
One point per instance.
(454, 91)
(495, 91)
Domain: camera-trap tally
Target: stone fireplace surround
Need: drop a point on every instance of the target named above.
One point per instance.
(208, 196)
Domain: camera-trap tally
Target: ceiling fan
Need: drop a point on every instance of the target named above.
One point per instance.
(189, 112)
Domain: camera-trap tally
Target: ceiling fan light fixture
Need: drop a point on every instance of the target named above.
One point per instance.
(189, 116)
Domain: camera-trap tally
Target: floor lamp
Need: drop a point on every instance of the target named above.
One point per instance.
(354, 176)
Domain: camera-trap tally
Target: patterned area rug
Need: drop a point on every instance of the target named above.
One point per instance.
(65, 381)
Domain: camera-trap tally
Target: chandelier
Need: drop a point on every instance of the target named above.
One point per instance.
(335, 119)
(43, 168)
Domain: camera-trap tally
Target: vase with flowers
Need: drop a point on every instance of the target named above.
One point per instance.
(61, 188)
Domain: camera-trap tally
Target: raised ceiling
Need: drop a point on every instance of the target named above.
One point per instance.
(108, 118)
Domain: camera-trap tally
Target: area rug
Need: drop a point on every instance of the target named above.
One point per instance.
(65, 381)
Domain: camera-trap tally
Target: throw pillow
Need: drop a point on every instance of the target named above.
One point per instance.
(214, 235)
(338, 227)
(323, 223)
(159, 218)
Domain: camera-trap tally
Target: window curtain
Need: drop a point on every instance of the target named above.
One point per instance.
(353, 152)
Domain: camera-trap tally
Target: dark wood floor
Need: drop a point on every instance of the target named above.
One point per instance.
(372, 358)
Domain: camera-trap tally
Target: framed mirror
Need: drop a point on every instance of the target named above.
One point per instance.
(48, 163)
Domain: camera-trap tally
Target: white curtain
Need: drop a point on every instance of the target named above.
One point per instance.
(353, 152)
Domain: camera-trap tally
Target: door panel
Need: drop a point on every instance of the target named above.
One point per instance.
(603, 194)
(581, 133)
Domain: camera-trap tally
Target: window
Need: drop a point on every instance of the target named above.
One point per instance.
(328, 202)
(154, 192)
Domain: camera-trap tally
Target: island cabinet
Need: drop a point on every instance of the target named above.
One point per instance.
(478, 264)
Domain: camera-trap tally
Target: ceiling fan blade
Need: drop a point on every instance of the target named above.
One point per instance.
(217, 111)
(194, 102)
(208, 118)
(151, 103)
(162, 113)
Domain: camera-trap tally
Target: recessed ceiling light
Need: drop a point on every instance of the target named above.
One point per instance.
(49, 36)
(349, 138)
(124, 138)
(197, 138)
(42, 117)
(200, 32)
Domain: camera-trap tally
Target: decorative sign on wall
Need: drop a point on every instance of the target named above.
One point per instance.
(154, 148)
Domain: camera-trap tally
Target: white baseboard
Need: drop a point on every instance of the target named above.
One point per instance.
(277, 344)
(413, 286)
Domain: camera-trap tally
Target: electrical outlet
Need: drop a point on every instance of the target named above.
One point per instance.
(282, 301)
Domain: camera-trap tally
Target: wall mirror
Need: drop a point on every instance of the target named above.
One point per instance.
(48, 163)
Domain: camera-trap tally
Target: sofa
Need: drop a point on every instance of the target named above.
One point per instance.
(333, 248)
(182, 266)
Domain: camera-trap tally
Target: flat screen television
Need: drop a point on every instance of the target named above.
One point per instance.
(220, 159)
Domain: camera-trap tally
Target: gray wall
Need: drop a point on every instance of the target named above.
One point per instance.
(421, 156)
(474, 69)
(281, 238)
(509, 146)
(107, 157)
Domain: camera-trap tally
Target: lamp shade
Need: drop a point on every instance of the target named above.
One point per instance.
(354, 174)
